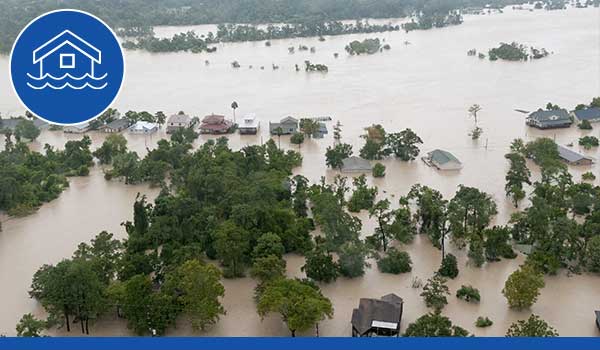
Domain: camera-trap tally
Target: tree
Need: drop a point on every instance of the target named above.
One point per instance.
(522, 287)
(234, 106)
(268, 244)
(477, 131)
(301, 305)
(431, 213)
(309, 127)
(320, 266)
(517, 175)
(352, 259)
(334, 156)
(404, 144)
(378, 170)
(363, 195)
(435, 291)
(381, 211)
(469, 212)
(198, 288)
(160, 117)
(337, 132)
(231, 244)
(395, 262)
(113, 145)
(533, 327)
(268, 268)
(26, 129)
(297, 138)
(374, 148)
(497, 244)
(468, 293)
(588, 142)
(29, 326)
(449, 267)
(592, 254)
(434, 325)
(585, 125)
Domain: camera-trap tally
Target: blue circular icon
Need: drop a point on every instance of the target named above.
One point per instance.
(67, 67)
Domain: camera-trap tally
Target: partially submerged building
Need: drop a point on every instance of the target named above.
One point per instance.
(377, 317)
(215, 124)
(117, 125)
(142, 127)
(591, 115)
(442, 160)
(356, 164)
(321, 131)
(178, 121)
(250, 125)
(551, 119)
(573, 158)
(286, 126)
(77, 128)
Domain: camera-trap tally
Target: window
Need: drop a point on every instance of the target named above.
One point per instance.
(67, 60)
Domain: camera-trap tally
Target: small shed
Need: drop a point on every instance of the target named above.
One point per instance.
(551, 119)
(356, 164)
(442, 160)
(178, 121)
(77, 129)
(117, 125)
(592, 115)
(286, 126)
(573, 158)
(377, 317)
(250, 125)
(142, 127)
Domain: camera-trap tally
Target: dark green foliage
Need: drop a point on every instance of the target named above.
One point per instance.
(483, 322)
(26, 130)
(29, 326)
(435, 292)
(297, 138)
(585, 125)
(449, 267)
(497, 244)
(363, 196)
(367, 46)
(352, 259)
(335, 156)
(588, 142)
(434, 325)
(378, 170)
(395, 262)
(431, 212)
(534, 326)
(320, 265)
(404, 145)
(469, 294)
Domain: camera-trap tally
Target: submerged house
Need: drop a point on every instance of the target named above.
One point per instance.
(215, 124)
(321, 132)
(117, 125)
(286, 126)
(356, 164)
(142, 127)
(442, 160)
(250, 125)
(178, 121)
(377, 317)
(552, 119)
(592, 115)
(573, 158)
(77, 128)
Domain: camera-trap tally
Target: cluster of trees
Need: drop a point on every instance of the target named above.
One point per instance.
(434, 18)
(380, 144)
(367, 46)
(516, 52)
(29, 179)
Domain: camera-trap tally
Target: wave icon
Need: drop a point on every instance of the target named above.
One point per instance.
(48, 81)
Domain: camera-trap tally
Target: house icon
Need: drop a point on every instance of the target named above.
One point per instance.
(67, 53)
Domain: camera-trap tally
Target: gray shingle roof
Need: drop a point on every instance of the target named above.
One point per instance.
(569, 155)
(386, 309)
(118, 124)
(553, 116)
(180, 118)
(356, 164)
(588, 114)
(442, 157)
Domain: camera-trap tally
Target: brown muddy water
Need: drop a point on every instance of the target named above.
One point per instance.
(427, 86)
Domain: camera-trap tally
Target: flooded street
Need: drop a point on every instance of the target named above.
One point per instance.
(426, 86)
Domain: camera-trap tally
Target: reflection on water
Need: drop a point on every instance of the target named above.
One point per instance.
(426, 86)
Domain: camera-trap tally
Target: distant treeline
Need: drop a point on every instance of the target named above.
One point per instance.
(14, 14)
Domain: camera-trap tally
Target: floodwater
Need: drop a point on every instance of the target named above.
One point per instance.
(427, 86)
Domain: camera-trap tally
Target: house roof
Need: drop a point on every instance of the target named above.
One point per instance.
(118, 124)
(214, 119)
(570, 155)
(587, 114)
(12, 123)
(67, 38)
(383, 313)
(180, 118)
(141, 125)
(442, 157)
(81, 126)
(226, 125)
(250, 121)
(355, 163)
(290, 120)
(550, 117)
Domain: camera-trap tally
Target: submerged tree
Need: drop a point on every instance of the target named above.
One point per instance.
(534, 326)
(522, 287)
(434, 325)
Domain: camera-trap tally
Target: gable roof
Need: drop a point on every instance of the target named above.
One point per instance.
(290, 120)
(118, 123)
(214, 119)
(587, 114)
(559, 115)
(442, 157)
(570, 155)
(180, 118)
(384, 312)
(67, 38)
(142, 125)
(355, 163)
